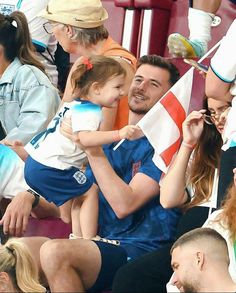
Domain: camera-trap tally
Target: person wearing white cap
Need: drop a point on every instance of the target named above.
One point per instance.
(79, 28)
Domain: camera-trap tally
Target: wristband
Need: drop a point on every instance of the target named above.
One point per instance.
(116, 135)
(188, 145)
(36, 198)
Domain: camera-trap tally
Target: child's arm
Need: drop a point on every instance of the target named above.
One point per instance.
(97, 138)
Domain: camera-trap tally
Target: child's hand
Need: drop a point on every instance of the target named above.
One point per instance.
(128, 132)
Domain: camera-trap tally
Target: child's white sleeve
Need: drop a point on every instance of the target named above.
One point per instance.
(86, 117)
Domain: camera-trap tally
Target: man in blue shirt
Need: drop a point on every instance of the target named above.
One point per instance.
(129, 207)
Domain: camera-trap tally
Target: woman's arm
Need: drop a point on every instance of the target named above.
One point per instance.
(172, 193)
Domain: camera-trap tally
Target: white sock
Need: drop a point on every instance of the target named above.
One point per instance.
(199, 23)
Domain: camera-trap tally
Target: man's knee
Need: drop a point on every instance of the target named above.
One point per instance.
(50, 254)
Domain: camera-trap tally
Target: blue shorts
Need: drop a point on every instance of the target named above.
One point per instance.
(113, 257)
(55, 185)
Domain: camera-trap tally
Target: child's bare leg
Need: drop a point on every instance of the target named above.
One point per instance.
(65, 211)
(75, 216)
(89, 213)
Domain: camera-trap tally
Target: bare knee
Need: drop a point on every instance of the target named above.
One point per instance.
(65, 212)
(66, 218)
(50, 255)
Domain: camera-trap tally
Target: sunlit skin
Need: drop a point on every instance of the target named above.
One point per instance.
(183, 264)
(149, 85)
(63, 34)
(218, 107)
(6, 284)
(110, 94)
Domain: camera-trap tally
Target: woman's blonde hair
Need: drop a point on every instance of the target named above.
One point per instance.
(16, 261)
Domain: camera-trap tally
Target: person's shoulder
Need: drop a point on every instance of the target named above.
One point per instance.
(213, 219)
(77, 102)
(114, 49)
(32, 75)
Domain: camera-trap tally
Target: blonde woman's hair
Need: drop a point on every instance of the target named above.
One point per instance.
(15, 259)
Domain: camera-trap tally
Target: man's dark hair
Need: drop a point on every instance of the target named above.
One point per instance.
(161, 62)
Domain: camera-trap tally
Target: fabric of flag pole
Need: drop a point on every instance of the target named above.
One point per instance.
(162, 125)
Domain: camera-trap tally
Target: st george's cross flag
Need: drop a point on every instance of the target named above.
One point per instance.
(162, 125)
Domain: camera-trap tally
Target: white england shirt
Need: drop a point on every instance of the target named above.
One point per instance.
(52, 149)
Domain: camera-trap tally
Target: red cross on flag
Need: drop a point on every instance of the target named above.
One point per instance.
(162, 125)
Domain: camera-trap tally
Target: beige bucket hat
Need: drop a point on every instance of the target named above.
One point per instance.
(78, 13)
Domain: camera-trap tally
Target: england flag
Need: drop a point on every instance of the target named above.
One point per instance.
(162, 125)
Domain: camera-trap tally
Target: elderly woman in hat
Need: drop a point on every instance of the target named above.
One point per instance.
(79, 28)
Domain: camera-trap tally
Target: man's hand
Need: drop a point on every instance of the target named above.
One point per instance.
(17, 146)
(16, 216)
(66, 129)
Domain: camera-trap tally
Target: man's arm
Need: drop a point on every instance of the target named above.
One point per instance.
(221, 73)
(123, 198)
(16, 216)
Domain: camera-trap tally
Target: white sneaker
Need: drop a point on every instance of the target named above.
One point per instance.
(98, 238)
(73, 236)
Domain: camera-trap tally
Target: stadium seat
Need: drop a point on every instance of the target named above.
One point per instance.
(48, 227)
(154, 24)
(131, 25)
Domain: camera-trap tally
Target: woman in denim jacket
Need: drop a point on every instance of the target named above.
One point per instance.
(28, 100)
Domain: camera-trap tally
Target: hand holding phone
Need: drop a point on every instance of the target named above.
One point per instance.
(197, 65)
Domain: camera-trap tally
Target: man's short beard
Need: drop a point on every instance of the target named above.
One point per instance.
(138, 111)
(188, 288)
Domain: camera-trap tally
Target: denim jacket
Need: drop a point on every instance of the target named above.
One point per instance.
(28, 101)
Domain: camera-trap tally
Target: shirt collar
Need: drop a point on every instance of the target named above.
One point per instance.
(10, 72)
